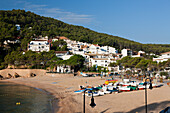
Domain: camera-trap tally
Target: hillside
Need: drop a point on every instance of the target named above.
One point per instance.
(35, 25)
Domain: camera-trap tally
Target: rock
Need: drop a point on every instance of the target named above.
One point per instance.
(9, 76)
(1, 77)
(31, 75)
(16, 75)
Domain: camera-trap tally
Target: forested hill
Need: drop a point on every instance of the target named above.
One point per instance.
(35, 25)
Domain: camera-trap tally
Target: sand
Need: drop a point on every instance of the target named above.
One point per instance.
(63, 87)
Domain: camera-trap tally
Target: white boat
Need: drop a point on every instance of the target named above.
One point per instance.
(79, 91)
(90, 94)
(123, 88)
(101, 93)
(105, 90)
(141, 87)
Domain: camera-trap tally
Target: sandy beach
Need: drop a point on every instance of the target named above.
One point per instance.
(63, 86)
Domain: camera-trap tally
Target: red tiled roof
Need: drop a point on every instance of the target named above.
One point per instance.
(165, 53)
(62, 37)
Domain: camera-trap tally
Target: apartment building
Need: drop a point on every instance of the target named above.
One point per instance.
(39, 46)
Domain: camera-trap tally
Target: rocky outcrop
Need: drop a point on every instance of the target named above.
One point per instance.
(8, 76)
(16, 75)
(30, 75)
(1, 77)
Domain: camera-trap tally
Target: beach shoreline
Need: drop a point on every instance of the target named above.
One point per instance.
(63, 87)
(60, 95)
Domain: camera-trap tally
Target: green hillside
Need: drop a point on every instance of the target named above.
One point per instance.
(33, 25)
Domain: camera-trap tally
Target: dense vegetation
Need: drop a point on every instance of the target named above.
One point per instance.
(142, 63)
(59, 45)
(30, 59)
(33, 25)
(43, 60)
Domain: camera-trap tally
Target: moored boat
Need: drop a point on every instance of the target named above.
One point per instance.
(124, 89)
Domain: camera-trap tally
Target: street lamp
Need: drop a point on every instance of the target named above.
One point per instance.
(92, 104)
(150, 87)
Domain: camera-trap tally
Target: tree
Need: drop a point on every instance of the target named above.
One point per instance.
(24, 43)
(143, 65)
(51, 27)
(75, 61)
(59, 45)
(114, 64)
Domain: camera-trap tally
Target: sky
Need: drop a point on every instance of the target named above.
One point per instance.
(144, 21)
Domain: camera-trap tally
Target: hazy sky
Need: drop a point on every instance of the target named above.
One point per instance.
(145, 21)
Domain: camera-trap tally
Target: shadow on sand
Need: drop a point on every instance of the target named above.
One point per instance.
(152, 108)
(105, 110)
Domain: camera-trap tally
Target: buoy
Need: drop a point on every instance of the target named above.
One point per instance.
(18, 103)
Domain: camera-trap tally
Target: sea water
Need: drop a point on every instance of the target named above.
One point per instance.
(22, 99)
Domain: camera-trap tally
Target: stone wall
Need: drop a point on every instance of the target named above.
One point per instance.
(22, 72)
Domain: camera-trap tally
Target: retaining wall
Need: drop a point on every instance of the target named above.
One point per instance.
(22, 72)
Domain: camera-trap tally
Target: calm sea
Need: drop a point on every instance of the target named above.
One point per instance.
(22, 99)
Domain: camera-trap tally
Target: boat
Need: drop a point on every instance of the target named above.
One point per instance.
(141, 87)
(110, 81)
(101, 93)
(105, 90)
(79, 91)
(114, 90)
(89, 94)
(124, 89)
(132, 87)
(159, 85)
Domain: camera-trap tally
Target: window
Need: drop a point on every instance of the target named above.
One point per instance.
(105, 60)
(95, 61)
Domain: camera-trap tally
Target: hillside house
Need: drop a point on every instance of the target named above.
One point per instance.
(164, 57)
(39, 46)
(126, 52)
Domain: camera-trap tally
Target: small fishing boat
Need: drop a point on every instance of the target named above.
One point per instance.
(132, 87)
(124, 89)
(114, 90)
(89, 94)
(105, 90)
(101, 93)
(79, 91)
(110, 81)
(141, 87)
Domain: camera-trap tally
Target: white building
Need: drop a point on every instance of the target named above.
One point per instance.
(164, 57)
(39, 46)
(139, 54)
(63, 69)
(94, 48)
(63, 54)
(126, 52)
(104, 62)
(108, 49)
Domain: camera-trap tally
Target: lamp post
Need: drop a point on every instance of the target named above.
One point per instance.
(150, 87)
(84, 102)
(92, 104)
